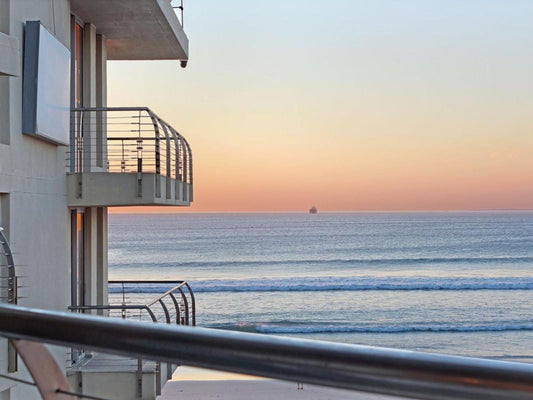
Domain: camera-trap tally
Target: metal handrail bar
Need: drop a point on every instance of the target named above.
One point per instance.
(165, 294)
(111, 109)
(364, 368)
(160, 282)
(113, 307)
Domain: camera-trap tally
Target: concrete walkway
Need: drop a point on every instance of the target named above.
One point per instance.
(197, 384)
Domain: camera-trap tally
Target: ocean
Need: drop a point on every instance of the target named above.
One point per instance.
(444, 282)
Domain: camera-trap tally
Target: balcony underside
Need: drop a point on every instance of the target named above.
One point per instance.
(102, 189)
(136, 29)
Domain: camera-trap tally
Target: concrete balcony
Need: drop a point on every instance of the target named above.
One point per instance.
(136, 29)
(127, 157)
(100, 374)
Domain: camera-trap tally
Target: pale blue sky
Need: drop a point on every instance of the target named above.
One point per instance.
(378, 87)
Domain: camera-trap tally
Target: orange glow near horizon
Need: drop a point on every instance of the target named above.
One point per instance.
(422, 110)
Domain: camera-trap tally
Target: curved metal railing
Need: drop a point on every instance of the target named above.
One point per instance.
(174, 306)
(9, 286)
(128, 140)
(8, 265)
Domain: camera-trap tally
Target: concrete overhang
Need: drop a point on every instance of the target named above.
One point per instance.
(136, 29)
(9, 55)
(101, 189)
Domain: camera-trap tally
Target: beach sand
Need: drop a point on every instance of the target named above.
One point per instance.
(199, 384)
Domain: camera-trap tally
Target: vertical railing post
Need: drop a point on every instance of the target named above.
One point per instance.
(191, 197)
(186, 305)
(139, 378)
(73, 140)
(185, 170)
(79, 155)
(182, 21)
(158, 378)
(168, 161)
(180, 168)
(12, 295)
(176, 163)
(176, 307)
(139, 159)
(193, 304)
(123, 160)
(157, 154)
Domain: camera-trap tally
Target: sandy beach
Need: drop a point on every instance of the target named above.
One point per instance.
(199, 384)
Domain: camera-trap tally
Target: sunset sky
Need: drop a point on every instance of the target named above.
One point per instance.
(349, 105)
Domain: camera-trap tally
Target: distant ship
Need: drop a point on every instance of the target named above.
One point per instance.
(313, 210)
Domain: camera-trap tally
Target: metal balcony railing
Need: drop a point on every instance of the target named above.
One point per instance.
(178, 5)
(364, 368)
(175, 306)
(8, 288)
(128, 140)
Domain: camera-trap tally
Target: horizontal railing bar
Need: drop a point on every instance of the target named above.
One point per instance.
(132, 121)
(114, 282)
(109, 307)
(132, 138)
(80, 109)
(125, 124)
(117, 307)
(365, 368)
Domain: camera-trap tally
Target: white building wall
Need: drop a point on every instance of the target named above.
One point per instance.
(33, 197)
(33, 174)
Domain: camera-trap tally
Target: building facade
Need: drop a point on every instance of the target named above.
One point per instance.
(65, 157)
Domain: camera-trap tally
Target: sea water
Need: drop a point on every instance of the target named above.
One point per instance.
(446, 282)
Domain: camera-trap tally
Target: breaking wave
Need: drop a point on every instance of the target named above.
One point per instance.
(391, 329)
(335, 261)
(348, 328)
(363, 283)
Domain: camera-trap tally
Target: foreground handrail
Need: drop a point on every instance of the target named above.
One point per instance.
(371, 369)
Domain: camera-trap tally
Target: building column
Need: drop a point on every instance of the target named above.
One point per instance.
(101, 101)
(91, 239)
(101, 257)
(89, 97)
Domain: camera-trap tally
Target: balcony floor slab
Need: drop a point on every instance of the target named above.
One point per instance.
(101, 189)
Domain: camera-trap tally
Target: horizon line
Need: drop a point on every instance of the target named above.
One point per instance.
(110, 209)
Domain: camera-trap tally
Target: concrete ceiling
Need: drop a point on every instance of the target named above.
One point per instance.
(136, 29)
